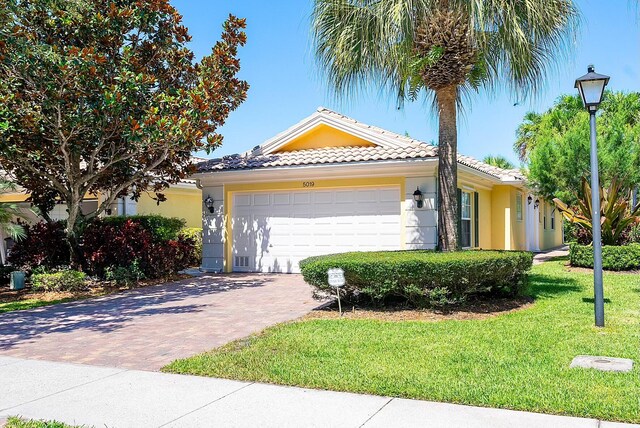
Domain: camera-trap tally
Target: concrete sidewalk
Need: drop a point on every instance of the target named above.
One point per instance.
(115, 397)
(545, 256)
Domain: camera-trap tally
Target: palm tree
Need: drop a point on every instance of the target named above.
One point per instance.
(9, 212)
(499, 161)
(447, 48)
(526, 135)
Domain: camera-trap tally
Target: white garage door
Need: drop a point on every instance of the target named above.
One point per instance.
(273, 231)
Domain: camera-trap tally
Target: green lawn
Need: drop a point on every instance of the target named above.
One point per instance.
(29, 304)
(518, 360)
(14, 422)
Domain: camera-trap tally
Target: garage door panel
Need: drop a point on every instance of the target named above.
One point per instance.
(344, 196)
(278, 229)
(387, 195)
(323, 197)
(366, 196)
(261, 199)
(302, 198)
(281, 199)
(324, 210)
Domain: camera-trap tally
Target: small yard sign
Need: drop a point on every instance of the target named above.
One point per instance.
(336, 279)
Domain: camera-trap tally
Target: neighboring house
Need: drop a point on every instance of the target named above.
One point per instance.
(183, 201)
(330, 184)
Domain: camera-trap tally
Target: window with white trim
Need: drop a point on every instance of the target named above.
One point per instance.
(519, 207)
(465, 238)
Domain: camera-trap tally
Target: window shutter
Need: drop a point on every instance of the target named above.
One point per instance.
(476, 231)
(459, 198)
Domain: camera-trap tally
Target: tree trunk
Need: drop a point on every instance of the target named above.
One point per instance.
(74, 209)
(447, 169)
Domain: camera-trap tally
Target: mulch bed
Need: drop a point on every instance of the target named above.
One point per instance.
(95, 289)
(472, 310)
(575, 269)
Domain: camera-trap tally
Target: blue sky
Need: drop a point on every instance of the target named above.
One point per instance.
(286, 84)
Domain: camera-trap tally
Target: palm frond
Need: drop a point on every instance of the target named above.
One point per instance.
(360, 43)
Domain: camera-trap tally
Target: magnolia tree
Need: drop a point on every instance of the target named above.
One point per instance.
(103, 96)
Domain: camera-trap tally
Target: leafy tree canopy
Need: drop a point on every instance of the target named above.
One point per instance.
(555, 144)
(104, 96)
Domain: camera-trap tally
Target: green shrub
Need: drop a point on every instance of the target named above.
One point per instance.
(161, 228)
(64, 280)
(614, 257)
(421, 277)
(195, 234)
(634, 234)
(125, 275)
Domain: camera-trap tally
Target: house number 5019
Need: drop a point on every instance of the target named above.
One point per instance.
(308, 184)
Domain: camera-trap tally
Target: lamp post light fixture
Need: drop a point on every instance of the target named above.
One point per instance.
(208, 202)
(417, 196)
(591, 87)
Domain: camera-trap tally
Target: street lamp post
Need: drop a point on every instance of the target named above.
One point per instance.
(591, 87)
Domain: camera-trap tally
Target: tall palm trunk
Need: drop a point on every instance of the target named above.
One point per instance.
(447, 169)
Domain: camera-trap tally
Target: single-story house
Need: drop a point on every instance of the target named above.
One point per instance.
(331, 184)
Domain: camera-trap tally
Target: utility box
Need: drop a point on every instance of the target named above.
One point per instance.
(17, 280)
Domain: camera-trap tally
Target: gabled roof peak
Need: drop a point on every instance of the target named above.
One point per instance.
(389, 146)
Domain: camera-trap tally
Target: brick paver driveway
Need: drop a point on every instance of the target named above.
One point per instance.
(150, 327)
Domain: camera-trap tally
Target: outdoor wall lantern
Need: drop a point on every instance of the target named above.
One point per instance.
(417, 196)
(537, 204)
(591, 87)
(208, 202)
(529, 199)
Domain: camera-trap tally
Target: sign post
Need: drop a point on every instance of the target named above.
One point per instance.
(336, 279)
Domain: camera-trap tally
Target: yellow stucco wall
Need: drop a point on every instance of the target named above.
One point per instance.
(485, 206)
(182, 203)
(324, 136)
(500, 217)
(550, 238)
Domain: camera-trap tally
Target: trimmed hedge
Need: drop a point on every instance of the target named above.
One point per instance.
(421, 277)
(614, 257)
(161, 228)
